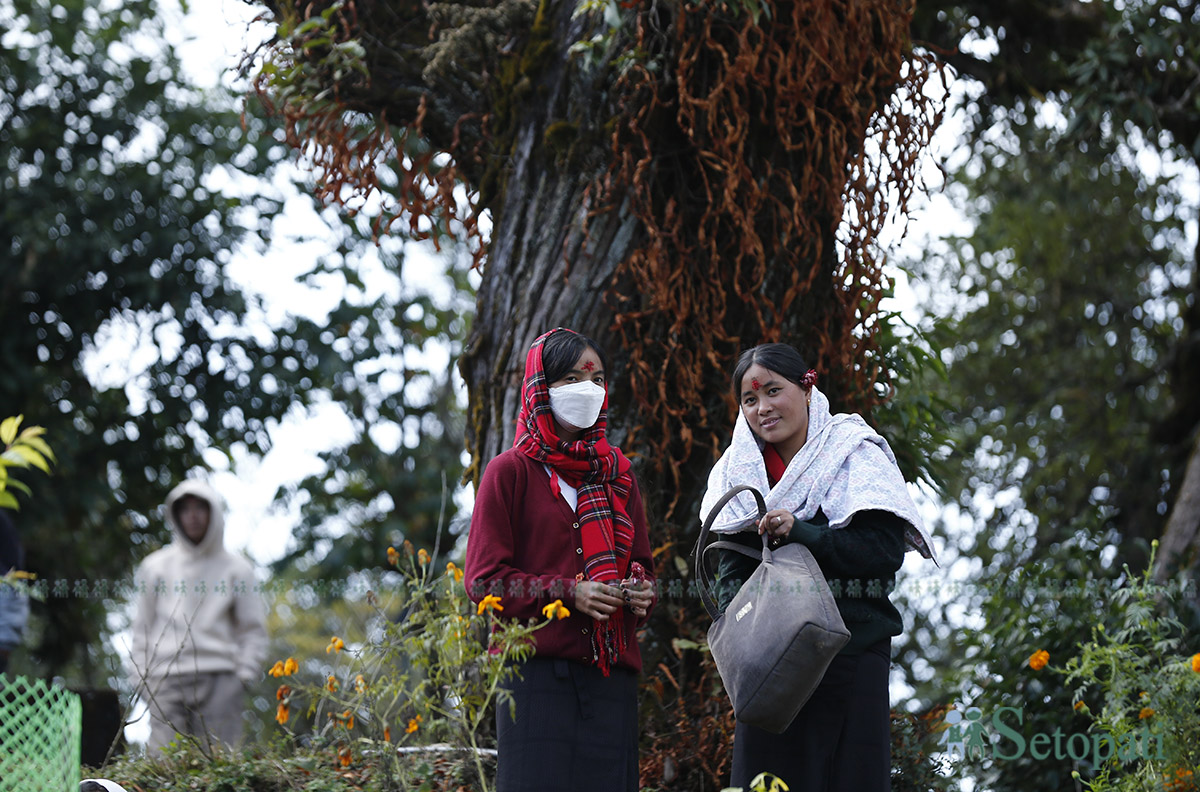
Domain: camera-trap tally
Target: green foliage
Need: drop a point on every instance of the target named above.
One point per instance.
(1070, 294)
(429, 668)
(1140, 675)
(23, 450)
(122, 333)
(1115, 645)
(914, 417)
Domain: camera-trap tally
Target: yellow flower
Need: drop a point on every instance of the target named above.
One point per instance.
(1145, 713)
(344, 756)
(283, 692)
(490, 602)
(454, 572)
(1196, 662)
(422, 557)
(348, 719)
(290, 667)
(387, 733)
(277, 670)
(413, 725)
(393, 556)
(282, 712)
(331, 684)
(1038, 660)
(556, 610)
(335, 645)
(1079, 705)
(360, 684)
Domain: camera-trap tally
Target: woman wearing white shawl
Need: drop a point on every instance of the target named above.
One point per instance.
(831, 483)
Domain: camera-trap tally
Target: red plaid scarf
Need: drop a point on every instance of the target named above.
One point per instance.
(600, 473)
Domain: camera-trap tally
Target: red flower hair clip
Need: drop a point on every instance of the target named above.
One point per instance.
(809, 379)
(754, 384)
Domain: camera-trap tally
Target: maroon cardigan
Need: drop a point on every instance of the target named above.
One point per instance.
(524, 546)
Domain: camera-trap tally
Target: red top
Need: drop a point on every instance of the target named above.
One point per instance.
(524, 546)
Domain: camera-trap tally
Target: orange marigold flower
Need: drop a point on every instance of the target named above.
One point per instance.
(490, 602)
(422, 557)
(1196, 662)
(277, 669)
(282, 713)
(556, 610)
(387, 733)
(290, 667)
(1145, 713)
(454, 572)
(393, 556)
(283, 692)
(413, 724)
(331, 684)
(1039, 659)
(1079, 705)
(348, 719)
(360, 684)
(335, 645)
(344, 756)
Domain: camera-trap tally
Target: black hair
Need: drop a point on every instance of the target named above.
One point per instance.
(783, 359)
(562, 349)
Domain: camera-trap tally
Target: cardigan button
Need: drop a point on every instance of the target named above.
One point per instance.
(574, 525)
(584, 631)
(579, 551)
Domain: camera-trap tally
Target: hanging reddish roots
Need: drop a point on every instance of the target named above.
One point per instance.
(741, 171)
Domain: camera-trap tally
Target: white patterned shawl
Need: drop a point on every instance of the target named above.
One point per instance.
(844, 467)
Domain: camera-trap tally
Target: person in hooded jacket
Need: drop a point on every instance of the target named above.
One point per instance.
(199, 632)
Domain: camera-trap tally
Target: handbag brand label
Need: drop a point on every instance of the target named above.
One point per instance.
(745, 609)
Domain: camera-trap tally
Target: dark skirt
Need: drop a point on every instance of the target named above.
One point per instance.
(840, 741)
(573, 729)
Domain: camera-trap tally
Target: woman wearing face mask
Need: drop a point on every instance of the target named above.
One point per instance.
(831, 483)
(559, 517)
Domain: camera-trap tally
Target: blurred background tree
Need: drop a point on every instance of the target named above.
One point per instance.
(1067, 316)
(125, 194)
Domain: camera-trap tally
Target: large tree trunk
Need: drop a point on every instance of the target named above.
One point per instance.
(544, 268)
(1179, 547)
(678, 202)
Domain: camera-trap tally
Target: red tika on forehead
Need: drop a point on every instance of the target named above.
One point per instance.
(754, 384)
(589, 366)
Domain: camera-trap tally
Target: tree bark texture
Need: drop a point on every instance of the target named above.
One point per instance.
(670, 179)
(1179, 547)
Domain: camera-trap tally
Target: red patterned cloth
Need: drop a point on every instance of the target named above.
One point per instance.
(601, 474)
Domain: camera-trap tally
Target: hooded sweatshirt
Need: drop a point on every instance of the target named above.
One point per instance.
(198, 609)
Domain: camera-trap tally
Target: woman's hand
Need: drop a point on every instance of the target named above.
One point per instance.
(777, 524)
(638, 595)
(598, 600)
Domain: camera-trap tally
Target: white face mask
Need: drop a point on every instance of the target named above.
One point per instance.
(577, 406)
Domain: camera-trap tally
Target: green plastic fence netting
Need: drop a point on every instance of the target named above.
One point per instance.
(40, 726)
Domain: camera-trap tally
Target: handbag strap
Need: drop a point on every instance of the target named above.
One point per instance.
(706, 596)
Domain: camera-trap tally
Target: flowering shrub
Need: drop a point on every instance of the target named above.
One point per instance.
(1137, 684)
(431, 673)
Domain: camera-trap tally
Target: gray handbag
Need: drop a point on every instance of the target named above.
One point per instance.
(778, 635)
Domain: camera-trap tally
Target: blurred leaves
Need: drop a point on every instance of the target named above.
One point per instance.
(126, 195)
(23, 448)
